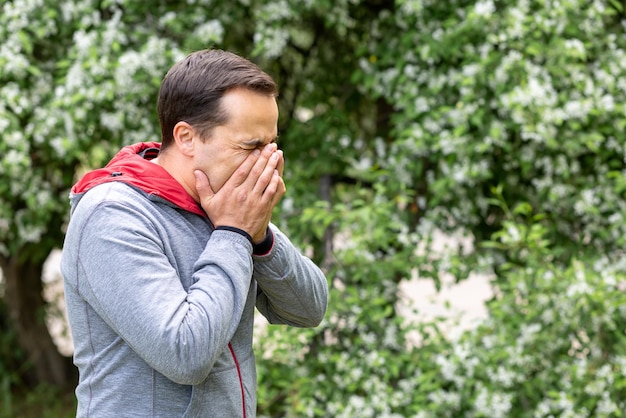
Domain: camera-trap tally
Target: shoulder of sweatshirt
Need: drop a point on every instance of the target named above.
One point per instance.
(116, 193)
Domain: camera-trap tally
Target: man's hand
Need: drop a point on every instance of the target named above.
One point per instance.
(250, 194)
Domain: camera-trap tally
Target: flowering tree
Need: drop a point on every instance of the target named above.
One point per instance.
(476, 106)
(77, 80)
(507, 96)
(397, 119)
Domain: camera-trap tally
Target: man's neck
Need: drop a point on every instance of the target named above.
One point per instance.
(178, 167)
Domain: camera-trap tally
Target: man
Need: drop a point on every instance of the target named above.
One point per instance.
(170, 247)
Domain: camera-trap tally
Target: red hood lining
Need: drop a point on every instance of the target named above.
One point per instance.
(131, 165)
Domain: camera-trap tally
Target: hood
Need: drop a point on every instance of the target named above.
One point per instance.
(132, 165)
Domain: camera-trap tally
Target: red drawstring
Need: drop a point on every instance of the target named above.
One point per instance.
(243, 398)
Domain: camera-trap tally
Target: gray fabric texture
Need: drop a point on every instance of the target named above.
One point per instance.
(161, 306)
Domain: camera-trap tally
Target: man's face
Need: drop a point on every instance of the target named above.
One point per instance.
(251, 125)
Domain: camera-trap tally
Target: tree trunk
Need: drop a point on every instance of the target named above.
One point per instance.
(26, 308)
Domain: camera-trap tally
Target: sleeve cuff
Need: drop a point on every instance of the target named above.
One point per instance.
(264, 247)
(237, 230)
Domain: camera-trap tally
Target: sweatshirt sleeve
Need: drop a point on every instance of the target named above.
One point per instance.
(293, 290)
(123, 273)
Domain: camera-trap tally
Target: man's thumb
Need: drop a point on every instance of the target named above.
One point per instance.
(202, 185)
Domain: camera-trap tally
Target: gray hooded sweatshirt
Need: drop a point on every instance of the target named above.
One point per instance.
(161, 304)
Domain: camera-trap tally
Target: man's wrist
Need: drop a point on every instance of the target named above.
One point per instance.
(265, 245)
(261, 248)
(237, 230)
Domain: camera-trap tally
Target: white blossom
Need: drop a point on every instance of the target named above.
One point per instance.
(274, 39)
(575, 45)
(484, 8)
(210, 32)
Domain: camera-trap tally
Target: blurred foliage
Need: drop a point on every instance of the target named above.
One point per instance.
(399, 119)
(41, 402)
(551, 346)
(11, 361)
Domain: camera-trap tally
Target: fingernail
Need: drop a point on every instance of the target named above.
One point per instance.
(256, 152)
(274, 156)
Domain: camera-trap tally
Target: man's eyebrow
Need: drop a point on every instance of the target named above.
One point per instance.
(256, 142)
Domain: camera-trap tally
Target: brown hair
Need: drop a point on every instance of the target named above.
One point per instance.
(192, 90)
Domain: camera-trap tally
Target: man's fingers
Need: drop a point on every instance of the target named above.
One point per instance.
(272, 186)
(252, 167)
(257, 173)
(242, 173)
(281, 162)
(265, 177)
(274, 191)
(280, 190)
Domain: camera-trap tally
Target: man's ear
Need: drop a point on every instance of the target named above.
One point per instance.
(183, 138)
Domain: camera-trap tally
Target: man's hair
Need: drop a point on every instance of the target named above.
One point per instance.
(192, 90)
